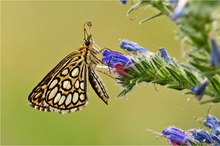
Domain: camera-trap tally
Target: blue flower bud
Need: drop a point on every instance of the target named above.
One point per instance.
(199, 90)
(164, 54)
(215, 54)
(123, 1)
(132, 46)
(179, 10)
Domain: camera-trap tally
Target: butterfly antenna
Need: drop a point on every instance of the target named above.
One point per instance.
(87, 36)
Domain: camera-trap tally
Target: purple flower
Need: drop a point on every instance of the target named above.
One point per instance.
(111, 58)
(199, 90)
(215, 54)
(212, 123)
(179, 10)
(123, 1)
(132, 46)
(201, 136)
(164, 54)
(177, 136)
(119, 63)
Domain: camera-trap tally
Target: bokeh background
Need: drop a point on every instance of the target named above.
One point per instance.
(36, 35)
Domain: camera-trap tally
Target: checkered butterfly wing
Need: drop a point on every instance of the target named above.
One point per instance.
(64, 88)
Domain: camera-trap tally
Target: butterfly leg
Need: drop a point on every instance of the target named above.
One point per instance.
(106, 73)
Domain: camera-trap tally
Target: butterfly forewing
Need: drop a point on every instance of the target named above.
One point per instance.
(97, 85)
(37, 96)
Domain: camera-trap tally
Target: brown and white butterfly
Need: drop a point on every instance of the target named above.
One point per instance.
(64, 88)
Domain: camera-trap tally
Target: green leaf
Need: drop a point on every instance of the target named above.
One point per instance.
(191, 77)
(137, 6)
(152, 17)
(176, 87)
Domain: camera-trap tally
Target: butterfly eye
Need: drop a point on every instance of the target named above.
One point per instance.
(87, 42)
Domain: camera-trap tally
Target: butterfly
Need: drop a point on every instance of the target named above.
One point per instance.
(64, 88)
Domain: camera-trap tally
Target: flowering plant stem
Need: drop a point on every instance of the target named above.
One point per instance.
(196, 20)
(155, 70)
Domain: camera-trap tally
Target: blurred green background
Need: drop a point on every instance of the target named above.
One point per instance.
(35, 36)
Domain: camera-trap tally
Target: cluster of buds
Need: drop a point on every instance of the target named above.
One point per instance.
(176, 136)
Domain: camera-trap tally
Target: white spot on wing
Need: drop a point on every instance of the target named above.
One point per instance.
(57, 98)
(53, 93)
(53, 83)
(75, 97)
(75, 72)
(66, 84)
(68, 99)
(82, 85)
(62, 99)
(82, 96)
(65, 72)
(77, 84)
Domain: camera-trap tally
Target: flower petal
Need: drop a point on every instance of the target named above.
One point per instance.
(111, 58)
(174, 135)
(216, 139)
(201, 136)
(213, 123)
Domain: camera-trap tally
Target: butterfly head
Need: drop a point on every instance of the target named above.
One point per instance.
(88, 40)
